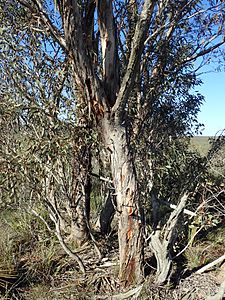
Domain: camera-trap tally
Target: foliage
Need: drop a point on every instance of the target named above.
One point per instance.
(73, 74)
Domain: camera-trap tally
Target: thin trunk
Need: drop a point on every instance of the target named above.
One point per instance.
(80, 201)
(107, 194)
(128, 206)
(107, 214)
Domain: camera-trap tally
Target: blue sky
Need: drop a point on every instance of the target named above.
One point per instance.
(213, 109)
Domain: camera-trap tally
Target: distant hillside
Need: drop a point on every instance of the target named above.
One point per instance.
(201, 144)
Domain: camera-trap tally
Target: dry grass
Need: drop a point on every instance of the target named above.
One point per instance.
(203, 252)
(27, 249)
(35, 266)
(200, 144)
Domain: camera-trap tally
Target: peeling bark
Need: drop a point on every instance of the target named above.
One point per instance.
(163, 257)
(105, 99)
(130, 229)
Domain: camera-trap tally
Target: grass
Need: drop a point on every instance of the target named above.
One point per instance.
(33, 265)
(207, 250)
(50, 275)
(39, 292)
(27, 251)
(200, 144)
(27, 248)
(216, 165)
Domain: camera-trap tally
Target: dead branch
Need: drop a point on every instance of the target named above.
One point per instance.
(173, 206)
(212, 264)
(162, 239)
(189, 243)
(102, 178)
(174, 216)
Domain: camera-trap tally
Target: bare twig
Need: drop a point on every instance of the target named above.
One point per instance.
(36, 214)
(189, 243)
(102, 178)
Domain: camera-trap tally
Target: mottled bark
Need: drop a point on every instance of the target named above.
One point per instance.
(128, 206)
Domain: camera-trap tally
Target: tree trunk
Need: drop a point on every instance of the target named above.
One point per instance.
(127, 198)
(107, 194)
(80, 201)
(106, 100)
(107, 214)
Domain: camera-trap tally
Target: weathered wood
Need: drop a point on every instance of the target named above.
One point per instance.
(162, 240)
(220, 294)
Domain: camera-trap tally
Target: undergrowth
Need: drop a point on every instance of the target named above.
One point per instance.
(34, 266)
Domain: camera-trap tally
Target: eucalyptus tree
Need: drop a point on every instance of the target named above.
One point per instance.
(133, 69)
(45, 148)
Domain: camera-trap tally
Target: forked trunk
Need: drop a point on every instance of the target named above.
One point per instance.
(162, 255)
(128, 206)
(162, 239)
(105, 97)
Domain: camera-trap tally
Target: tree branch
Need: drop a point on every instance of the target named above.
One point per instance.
(173, 206)
(204, 52)
(58, 234)
(56, 220)
(109, 49)
(102, 178)
(134, 59)
(46, 21)
(174, 216)
(212, 264)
